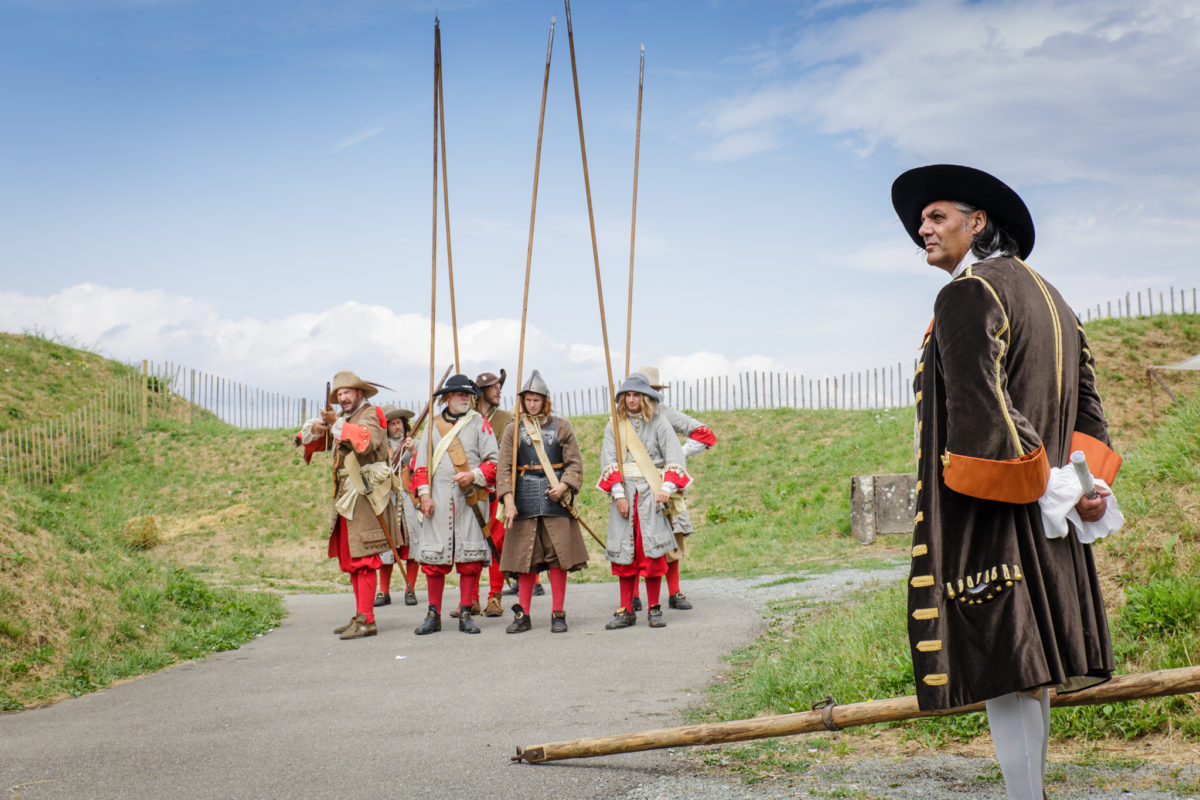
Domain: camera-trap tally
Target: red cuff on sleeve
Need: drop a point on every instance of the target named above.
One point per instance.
(1102, 460)
(1013, 480)
(610, 481)
(488, 468)
(704, 435)
(674, 477)
(420, 477)
(315, 446)
(358, 436)
(382, 417)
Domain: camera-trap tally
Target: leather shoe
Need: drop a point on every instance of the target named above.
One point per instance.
(410, 597)
(678, 601)
(521, 621)
(465, 623)
(494, 609)
(558, 622)
(382, 599)
(654, 617)
(510, 590)
(432, 623)
(360, 630)
(353, 621)
(621, 619)
(637, 604)
(474, 610)
(538, 591)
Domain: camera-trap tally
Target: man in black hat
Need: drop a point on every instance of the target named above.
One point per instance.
(455, 463)
(1005, 391)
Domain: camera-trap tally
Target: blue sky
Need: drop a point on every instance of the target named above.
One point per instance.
(245, 188)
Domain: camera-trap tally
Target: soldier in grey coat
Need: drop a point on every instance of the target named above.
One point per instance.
(456, 460)
(698, 438)
(651, 469)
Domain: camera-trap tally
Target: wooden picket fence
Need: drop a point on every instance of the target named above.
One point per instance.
(47, 452)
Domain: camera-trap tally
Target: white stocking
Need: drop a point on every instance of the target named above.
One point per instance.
(1020, 726)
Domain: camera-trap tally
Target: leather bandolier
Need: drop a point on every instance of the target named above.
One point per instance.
(532, 483)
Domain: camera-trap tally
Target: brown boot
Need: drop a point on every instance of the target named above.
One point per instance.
(494, 609)
(360, 630)
(456, 611)
(357, 618)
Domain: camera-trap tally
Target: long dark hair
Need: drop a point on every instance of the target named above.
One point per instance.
(992, 238)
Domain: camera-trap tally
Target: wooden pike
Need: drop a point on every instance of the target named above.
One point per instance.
(437, 81)
(637, 149)
(441, 109)
(537, 166)
(595, 248)
(827, 715)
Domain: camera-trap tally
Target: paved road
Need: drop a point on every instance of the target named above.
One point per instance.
(301, 714)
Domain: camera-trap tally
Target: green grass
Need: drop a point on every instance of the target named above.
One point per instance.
(152, 552)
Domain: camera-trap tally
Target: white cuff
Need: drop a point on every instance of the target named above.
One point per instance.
(691, 447)
(617, 491)
(1058, 506)
(422, 490)
(669, 487)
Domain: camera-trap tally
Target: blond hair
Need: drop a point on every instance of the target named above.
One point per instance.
(649, 407)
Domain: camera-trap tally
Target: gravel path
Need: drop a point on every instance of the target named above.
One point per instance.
(927, 777)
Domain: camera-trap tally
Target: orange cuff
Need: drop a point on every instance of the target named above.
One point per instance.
(358, 436)
(1014, 480)
(1102, 460)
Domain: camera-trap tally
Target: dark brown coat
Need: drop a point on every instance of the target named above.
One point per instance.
(1005, 390)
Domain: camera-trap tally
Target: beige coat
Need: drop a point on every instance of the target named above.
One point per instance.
(366, 537)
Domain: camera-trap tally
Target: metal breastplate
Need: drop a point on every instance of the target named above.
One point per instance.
(530, 491)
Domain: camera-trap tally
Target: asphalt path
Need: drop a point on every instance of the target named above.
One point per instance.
(299, 713)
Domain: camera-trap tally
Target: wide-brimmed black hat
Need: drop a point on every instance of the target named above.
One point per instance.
(919, 187)
(458, 383)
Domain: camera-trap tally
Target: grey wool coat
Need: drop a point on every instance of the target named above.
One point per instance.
(665, 451)
(452, 535)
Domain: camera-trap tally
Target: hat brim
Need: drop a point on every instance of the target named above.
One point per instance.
(399, 413)
(917, 188)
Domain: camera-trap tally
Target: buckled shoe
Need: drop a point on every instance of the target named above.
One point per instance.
(353, 621)
(654, 617)
(521, 621)
(679, 601)
(432, 623)
(465, 623)
(558, 622)
(621, 619)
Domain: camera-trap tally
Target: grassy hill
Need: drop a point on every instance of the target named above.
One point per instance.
(180, 542)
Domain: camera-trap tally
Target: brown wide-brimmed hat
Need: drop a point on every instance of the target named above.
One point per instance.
(391, 412)
(651, 374)
(487, 379)
(919, 187)
(346, 379)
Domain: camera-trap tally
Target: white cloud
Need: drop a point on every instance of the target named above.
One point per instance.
(358, 138)
(1084, 90)
(294, 355)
